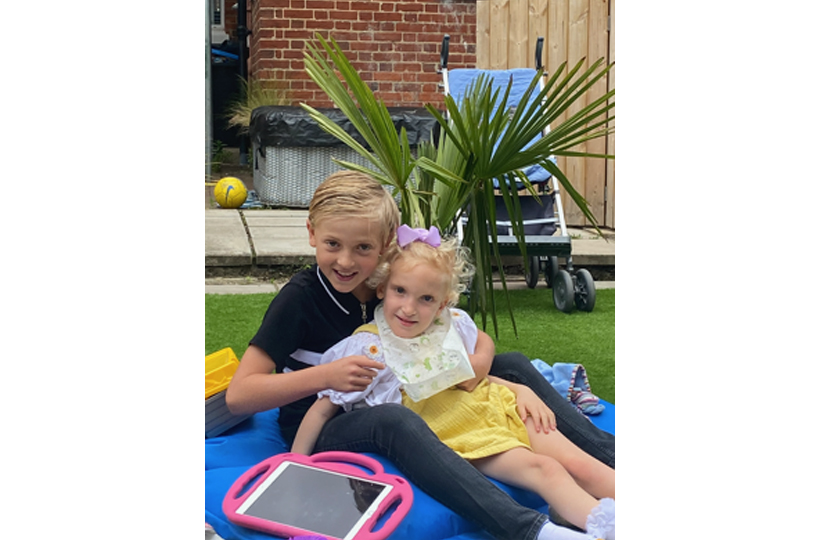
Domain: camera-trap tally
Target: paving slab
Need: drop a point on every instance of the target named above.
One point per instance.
(284, 217)
(226, 241)
(251, 288)
(270, 288)
(593, 251)
(280, 237)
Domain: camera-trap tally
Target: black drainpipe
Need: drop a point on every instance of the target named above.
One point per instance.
(242, 34)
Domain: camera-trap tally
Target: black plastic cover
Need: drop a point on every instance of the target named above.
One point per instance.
(277, 125)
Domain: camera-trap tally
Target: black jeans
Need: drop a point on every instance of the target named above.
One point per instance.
(517, 368)
(400, 435)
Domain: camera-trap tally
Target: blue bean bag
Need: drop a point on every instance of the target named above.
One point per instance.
(229, 455)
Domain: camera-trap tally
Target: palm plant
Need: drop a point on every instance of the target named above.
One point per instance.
(253, 94)
(480, 141)
(391, 158)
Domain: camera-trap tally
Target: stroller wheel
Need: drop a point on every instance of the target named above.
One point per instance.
(550, 269)
(584, 290)
(563, 292)
(532, 274)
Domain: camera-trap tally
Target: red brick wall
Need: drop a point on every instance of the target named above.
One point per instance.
(395, 45)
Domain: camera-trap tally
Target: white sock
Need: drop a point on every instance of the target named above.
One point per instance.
(601, 521)
(551, 531)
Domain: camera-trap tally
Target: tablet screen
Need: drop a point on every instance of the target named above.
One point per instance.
(316, 500)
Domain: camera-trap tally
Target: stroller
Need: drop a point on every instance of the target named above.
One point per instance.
(545, 234)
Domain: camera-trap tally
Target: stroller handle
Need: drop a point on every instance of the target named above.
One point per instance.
(539, 47)
(445, 50)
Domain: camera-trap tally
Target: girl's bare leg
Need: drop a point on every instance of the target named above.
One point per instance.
(593, 476)
(543, 475)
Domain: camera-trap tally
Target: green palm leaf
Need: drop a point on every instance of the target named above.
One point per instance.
(480, 141)
(389, 152)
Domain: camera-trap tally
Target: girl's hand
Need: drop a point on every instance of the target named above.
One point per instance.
(529, 404)
(351, 373)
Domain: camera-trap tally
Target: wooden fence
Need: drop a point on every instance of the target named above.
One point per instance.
(506, 33)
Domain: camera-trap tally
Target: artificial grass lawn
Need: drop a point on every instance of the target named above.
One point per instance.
(543, 331)
(552, 336)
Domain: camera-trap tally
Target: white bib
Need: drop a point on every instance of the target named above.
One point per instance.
(429, 363)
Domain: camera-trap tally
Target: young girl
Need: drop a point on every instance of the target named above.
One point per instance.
(419, 281)
(351, 220)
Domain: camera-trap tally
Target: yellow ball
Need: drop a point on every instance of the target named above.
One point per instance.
(230, 192)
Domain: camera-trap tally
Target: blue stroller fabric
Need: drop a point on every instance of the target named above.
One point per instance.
(461, 79)
(532, 208)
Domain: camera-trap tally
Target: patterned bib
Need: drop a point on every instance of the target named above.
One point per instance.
(429, 363)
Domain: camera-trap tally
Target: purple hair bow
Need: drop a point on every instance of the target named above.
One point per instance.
(405, 235)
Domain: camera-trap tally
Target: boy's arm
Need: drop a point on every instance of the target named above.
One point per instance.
(481, 361)
(315, 419)
(254, 387)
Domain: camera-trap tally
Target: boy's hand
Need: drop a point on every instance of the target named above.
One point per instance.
(529, 404)
(351, 373)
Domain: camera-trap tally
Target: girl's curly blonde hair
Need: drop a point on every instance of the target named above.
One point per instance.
(450, 258)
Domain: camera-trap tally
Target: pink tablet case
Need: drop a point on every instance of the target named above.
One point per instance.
(332, 461)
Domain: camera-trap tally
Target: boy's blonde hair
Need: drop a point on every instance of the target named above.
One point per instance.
(352, 194)
(450, 258)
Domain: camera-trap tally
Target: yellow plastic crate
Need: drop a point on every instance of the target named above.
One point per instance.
(219, 369)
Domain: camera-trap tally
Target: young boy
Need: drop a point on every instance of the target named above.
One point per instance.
(352, 219)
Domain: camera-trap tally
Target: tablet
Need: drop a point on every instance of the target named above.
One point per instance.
(291, 495)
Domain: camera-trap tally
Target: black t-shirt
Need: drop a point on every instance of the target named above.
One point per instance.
(308, 314)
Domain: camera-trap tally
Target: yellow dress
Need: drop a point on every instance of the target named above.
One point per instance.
(475, 424)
